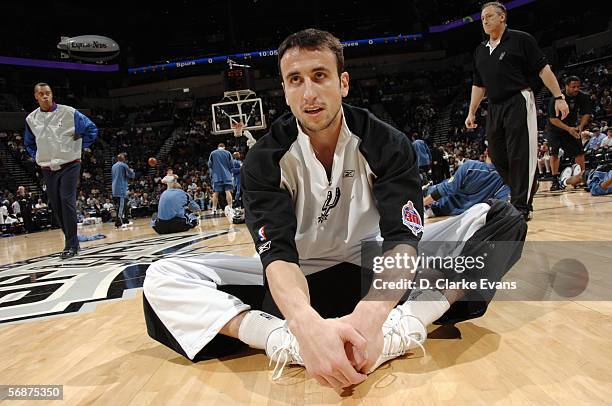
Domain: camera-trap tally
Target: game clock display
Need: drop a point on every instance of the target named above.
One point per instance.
(238, 78)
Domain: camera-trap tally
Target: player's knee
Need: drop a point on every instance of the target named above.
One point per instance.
(505, 215)
(157, 274)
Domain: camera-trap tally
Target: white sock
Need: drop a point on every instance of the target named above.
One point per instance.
(256, 328)
(426, 305)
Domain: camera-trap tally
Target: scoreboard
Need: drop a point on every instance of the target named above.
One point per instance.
(238, 78)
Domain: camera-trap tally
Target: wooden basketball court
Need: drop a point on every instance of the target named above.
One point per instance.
(520, 352)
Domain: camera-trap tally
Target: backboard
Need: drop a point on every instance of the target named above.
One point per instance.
(238, 106)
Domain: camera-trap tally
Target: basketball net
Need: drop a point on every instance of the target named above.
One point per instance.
(237, 127)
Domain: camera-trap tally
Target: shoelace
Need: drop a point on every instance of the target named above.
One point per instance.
(406, 339)
(286, 352)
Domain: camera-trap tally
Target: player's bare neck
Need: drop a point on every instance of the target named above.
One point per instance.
(495, 37)
(324, 146)
(325, 153)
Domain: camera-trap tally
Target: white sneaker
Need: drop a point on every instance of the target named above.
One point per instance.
(565, 175)
(401, 332)
(283, 348)
(229, 213)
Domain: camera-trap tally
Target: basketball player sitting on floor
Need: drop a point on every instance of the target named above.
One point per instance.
(598, 181)
(326, 177)
(474, 182)
(171, 211)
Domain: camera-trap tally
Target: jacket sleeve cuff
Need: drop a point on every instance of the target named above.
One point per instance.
(435, 194)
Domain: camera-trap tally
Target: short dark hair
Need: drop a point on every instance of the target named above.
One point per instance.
(570, 79)
(311, 39)
(222, 145)
(41, 84)
(498, 5)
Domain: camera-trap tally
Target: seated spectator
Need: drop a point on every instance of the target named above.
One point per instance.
(6, 217)
(16, 208)
(586, 138)
(595, 140)
(452, 165)
(169, 178)
(460, 159)
(171, 214)
(108, 205)
(474, 182)
(4, 213)
(544, 160)
(607, 141)
(40, 205)
(200, 198)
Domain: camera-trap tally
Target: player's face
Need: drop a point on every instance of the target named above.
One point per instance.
(313, 89)
(572, 88)
(492, 19)
(44, 97)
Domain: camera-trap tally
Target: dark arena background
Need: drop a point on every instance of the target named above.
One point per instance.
(166, 83)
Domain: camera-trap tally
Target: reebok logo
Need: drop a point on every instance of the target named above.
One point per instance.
(266, 316)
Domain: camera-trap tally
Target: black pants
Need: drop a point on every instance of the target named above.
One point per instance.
(503, 223)
(27, 219)
(62, 192)
(175, 225)
(558, 138)
(512, 135)
(120, 210)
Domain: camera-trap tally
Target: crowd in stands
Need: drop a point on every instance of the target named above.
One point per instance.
(410, 101)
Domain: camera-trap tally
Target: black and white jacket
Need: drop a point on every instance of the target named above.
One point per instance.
(296, 214)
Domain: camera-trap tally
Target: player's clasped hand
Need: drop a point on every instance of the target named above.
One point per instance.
(372, 332)
(322, 344)
(574, 132)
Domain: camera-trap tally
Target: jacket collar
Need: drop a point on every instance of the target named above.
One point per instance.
(51, 110)
(503, 38)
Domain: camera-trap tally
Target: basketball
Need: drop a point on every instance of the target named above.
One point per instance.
(152, 161)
